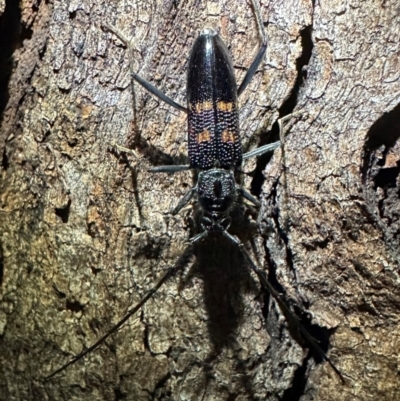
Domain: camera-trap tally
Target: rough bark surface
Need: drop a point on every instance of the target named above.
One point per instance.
(85, 230)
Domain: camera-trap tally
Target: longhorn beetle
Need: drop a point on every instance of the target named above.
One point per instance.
(215, 154)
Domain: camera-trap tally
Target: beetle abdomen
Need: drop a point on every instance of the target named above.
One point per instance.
(212, 105)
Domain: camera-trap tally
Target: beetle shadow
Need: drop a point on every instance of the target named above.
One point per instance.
(226, 282)
(225, 275)
(226, 279)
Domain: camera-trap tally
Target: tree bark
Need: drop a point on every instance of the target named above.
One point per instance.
(85, 229)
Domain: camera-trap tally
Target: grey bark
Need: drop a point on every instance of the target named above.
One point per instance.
(85, 230)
